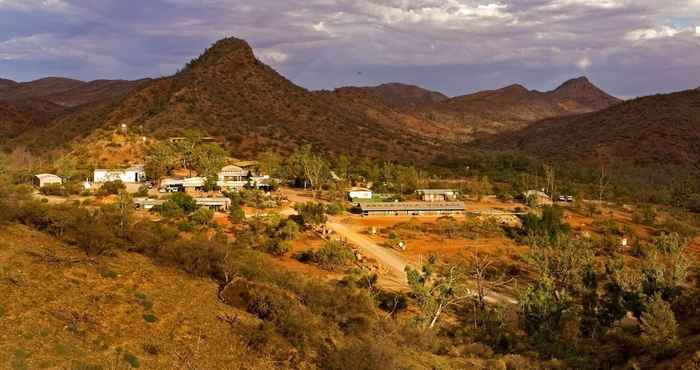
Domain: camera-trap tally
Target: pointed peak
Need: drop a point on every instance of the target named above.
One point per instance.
(515, 88)
(225, 50)
(578, 82)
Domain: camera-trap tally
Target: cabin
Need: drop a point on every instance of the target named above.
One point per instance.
(44, 179)
(437, 195)
(221, 204)
(360, 194)
(412, 209)
(233, 178)
(132, 175)
(147, 203)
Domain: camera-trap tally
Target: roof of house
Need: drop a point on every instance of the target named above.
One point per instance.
(360, 189)
(218, 200)
(231, 168)
(46, 176)
(194, 181)
(413, 206)
(436, 191)
(148, 201)
(243, 164)
(137, 167)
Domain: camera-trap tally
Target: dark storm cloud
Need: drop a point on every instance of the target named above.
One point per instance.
(628, 47)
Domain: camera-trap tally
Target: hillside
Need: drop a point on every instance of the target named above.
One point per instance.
(21, 116)
(654, 138)
(230, 94)
(493, 111)
(65, 92)
(396, 95)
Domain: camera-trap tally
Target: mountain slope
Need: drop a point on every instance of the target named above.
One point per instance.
(514, 106)
(228, 93)
(462, 118)
(652, 139)
(66, 92)
(396, 95)
(17, 117)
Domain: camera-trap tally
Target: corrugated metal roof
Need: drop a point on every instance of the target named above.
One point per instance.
(413, 206)
(436, 191)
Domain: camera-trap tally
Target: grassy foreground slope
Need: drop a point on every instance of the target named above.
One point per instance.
(63, 309)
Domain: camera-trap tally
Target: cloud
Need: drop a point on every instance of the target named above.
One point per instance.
(455, 46)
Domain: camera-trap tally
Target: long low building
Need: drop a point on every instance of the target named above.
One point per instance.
(412, 208)
(217, 204)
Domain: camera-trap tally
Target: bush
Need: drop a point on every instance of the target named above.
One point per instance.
(362, 355)
(53, 189)
(111, 188)
(277, 247)
(330, 255)
(202, 216)
(184, 201)
(142, 192)
(236, 214)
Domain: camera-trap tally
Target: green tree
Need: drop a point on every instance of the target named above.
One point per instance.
(289, 230)
(236, 215)
(208, 159)
(481, 187)
(542, 308)
(312, 213)
(202, 216)
(183, 201)
(270, 163)
(659, 327)
(437, 288)
(160, 161)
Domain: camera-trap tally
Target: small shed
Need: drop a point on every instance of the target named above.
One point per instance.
(44, 179)
(360, 193)
(147, 203)
(437, 195)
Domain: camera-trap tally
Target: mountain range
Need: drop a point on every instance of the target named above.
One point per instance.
(230, 94)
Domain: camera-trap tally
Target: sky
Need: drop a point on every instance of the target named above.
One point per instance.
(629, 48)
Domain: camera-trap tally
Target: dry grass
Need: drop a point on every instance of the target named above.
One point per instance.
(64, 310)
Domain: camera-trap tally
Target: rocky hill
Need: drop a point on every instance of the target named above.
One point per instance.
(229, 94)
(654, 139)
(65, 92)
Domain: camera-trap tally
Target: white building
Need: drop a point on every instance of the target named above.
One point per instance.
(233, 178)
(131, 175)
(360, 193)
(44, 179)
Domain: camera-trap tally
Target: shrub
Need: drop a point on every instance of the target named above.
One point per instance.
(236, 214)
(202, 216)
(111, 188)
(150, 318)
(184, 201)
(362, 355)
(332, 254)
(277, 247)
(53, 189)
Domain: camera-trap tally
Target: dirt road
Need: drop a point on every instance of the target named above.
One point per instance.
(394, 263)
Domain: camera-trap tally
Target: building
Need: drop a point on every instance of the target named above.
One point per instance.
(147, 203)
(359, 194)
(412, 209)
(187, 185)
(233, 178)
(437, 195)
(131, 175)
(217, 204)
(44, 179)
